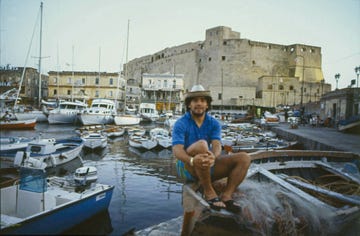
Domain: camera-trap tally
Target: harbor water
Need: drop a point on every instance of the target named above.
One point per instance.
(147, 190)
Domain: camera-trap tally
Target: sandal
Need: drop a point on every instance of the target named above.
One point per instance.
(211, 203)
(232, 207)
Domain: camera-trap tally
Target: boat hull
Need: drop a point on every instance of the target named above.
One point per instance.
(93, 119)
(18, 124)
(64, 217)
(126, 120)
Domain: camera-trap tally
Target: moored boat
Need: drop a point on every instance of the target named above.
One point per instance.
(126, 119)
(142, 142)
(94, 140)
(66, 112)
(285, 192)
(101, 111)
(49, 205)
(45, 153)
(18, 124)
(9, 146)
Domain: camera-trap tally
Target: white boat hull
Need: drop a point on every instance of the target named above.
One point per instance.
(93, 119)
(126, 120)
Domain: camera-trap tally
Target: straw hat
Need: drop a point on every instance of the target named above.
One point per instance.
(197, 91)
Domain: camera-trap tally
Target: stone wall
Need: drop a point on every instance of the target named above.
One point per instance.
(225, 58)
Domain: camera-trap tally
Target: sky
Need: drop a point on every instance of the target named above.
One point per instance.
(91, 35)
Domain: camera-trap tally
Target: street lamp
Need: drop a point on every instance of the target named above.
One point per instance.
(337, 77)
(357, 71)
(294, 96)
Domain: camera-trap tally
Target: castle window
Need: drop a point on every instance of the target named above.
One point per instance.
(312, 50)
(281, 87)
(111, 81)
(270, 86)
(96, 80)
(224, 43)
(209, 58)
(55, 91)
(223, 58)
(291, 87)
(219, 96)
(303, 49)
(292, 49)
(253, 62)
(68, 92)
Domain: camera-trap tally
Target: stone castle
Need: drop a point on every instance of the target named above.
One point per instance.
(240, 71)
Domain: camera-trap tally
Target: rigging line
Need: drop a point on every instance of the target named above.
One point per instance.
(26, 59)
(343, 58)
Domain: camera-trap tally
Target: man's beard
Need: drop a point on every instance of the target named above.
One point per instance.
(198, 114)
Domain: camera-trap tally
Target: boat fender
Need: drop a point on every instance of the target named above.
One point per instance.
(19, 157)
(53, 160)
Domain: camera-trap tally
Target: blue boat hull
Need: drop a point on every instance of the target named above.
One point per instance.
(65, 217)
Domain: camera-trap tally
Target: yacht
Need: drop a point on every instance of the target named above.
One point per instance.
(66, 113)
(148, 112)
(101, 111)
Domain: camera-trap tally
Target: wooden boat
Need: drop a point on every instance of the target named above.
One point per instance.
(49, 205)
(142, 142)
(9, 146)
(44, 153)
(162, 137)
(114, 131)
(95, 140)
(290, 192)
(18, 124)
(265, 145)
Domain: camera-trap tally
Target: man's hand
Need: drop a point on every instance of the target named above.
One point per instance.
(205, 160)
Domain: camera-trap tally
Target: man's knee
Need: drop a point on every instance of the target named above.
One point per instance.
(243, 159)
(200, 146)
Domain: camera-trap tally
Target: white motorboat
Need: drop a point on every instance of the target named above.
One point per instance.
(101, 111)
(95, 140)
(86, 175)
(148, 112)
(66, 112)
(44, 153)
(40, 205)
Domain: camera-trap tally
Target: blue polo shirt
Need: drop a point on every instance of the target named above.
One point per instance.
(186, 132)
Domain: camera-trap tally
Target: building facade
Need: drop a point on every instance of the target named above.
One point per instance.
(164, 90)
(239, 70)
(84, 86)
(10, 78)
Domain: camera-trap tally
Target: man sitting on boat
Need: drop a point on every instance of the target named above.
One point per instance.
(196, 144)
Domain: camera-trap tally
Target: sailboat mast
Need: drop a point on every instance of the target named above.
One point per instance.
(126, 64)
(41, 10)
